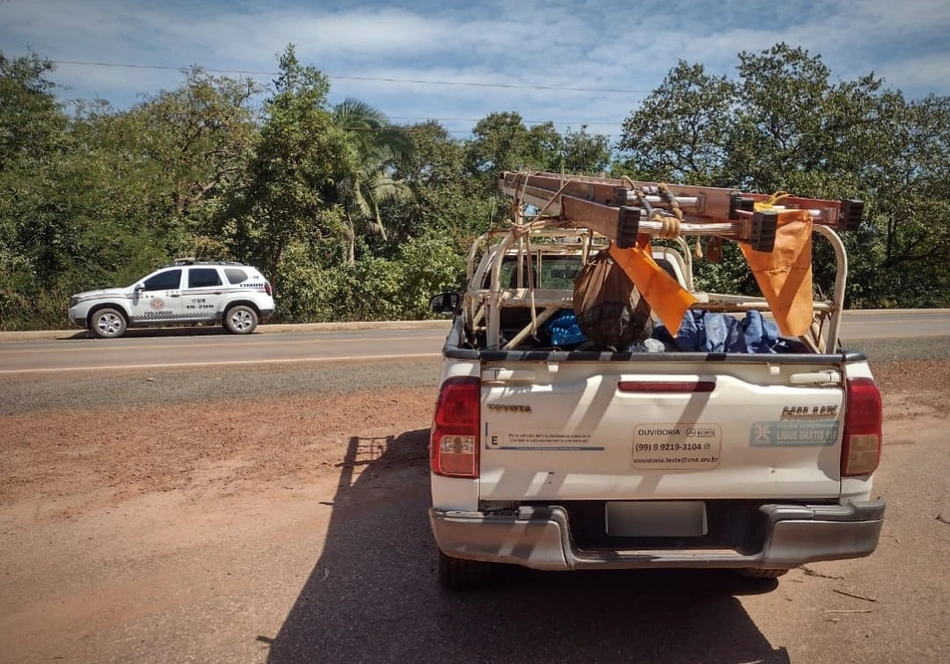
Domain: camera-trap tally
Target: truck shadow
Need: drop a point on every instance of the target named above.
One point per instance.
(372, 595)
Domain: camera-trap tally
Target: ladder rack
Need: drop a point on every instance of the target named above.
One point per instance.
(622, 209)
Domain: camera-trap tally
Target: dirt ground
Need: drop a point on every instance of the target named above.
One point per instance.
(108, 517)
(71, 461)
(86, 459)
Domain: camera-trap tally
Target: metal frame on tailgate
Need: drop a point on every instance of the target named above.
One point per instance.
(486, 304)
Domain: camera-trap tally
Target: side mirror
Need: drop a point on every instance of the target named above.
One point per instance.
(139, 288)
(445, 303)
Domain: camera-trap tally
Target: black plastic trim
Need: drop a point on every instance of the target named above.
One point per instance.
(456, 353)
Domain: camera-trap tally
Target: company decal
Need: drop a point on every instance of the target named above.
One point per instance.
(810, 412)
(676, 446)
(793, 433)
(157, 304)
(199, 303)
(539, 441)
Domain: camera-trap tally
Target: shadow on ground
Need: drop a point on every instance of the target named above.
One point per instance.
(144, 332)
(372, 596)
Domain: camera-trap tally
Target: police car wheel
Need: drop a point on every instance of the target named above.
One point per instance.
(107, 323)
(240, 319)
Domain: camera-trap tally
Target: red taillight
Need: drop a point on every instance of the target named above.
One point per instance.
(267, 288)
(453, 445)
(864, 417)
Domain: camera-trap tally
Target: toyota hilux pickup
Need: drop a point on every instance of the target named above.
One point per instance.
(550, 454)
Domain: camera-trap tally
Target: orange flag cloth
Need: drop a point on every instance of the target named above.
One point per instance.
(662, 292)
(784, 274)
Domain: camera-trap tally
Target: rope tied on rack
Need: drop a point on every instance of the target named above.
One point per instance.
(772, 201)
(671, 225)
(670, 199)
(672, 220)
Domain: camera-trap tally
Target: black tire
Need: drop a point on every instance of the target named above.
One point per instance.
(761, 573)
(107, 323)
(459, 574)
(240, 319)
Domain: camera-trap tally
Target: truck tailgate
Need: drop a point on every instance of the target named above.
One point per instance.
(677, 430)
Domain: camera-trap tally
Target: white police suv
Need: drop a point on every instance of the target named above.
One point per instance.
(186, 291)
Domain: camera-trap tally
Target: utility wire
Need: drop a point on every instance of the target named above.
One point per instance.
(247, 72)
(374, 79)
(530, 122)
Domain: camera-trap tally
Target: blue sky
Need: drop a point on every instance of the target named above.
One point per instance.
(525, 56)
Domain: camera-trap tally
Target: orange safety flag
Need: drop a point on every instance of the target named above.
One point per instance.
(784, 274)
(662, 292)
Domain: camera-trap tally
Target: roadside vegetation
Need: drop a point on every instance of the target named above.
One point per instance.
(353, 217)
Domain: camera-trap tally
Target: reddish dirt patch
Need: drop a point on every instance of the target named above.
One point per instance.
(912, 390)
(84, 458)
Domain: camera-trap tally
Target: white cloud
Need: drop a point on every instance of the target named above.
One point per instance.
(923, 73)
(558, 43)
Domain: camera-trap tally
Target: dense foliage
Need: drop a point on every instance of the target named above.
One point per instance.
(354, 218)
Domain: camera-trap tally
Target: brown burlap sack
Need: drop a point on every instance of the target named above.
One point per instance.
(609, 309)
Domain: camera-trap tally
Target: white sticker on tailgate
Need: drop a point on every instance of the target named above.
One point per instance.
(539, 441)
(676, 446)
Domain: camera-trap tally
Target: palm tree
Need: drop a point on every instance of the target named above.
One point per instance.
(378, 146)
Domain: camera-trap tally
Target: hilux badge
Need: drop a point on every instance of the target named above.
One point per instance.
(809, 412)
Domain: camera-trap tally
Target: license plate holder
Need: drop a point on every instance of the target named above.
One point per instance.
(655, 518)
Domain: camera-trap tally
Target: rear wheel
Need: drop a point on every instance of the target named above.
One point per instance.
(107, 323)
(760, 573)
(459, 574)
(240, 319)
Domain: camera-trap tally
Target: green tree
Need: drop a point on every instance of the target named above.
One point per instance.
(201, 133)
(501, 142)
(583, 152)
(32, 122)
(680, 131)
(173, 156)
(786, 124)
(33, 138)
(447, 200)
(379, 147)
(436, 160)
(290, 182)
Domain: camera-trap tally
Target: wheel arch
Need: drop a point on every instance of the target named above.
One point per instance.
(246, 303)
(99, 306)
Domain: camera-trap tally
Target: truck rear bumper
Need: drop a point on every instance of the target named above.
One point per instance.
(539, 537)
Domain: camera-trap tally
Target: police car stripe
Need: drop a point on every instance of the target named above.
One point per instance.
(168, 315)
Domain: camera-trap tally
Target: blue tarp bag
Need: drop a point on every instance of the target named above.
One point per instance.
(563, 329)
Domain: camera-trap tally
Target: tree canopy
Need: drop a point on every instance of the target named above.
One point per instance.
(784, 123)
(354, 217)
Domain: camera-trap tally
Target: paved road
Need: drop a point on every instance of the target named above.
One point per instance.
(207, 347)
(197, 347)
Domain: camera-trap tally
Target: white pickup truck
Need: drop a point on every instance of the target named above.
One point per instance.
(558, 457)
